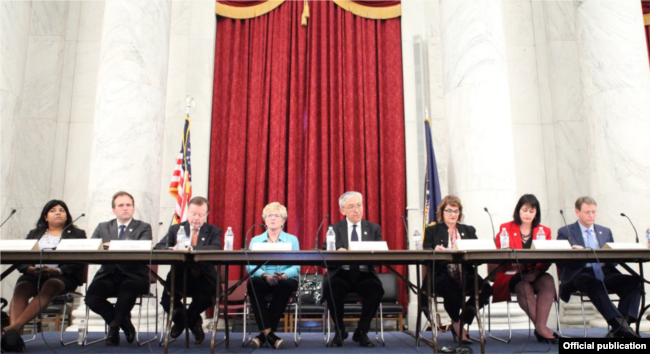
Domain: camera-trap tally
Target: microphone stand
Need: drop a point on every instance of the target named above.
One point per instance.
(13, 211)
(645, 307)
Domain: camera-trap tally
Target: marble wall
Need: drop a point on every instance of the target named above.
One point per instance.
(516, 91)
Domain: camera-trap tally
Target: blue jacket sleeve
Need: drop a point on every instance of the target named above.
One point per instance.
(293, 271)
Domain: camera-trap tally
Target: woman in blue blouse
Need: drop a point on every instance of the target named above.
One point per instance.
(279, 280)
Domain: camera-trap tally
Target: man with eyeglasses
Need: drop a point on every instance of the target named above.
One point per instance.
(202, 277)
(594, 279)
(360, 279)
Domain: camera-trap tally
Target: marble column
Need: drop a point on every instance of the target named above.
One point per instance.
(481, 169)
(36, 128)
(477, 109)
(615, 79)
(14, 37)
(129, 109)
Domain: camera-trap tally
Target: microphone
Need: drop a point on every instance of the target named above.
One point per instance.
(246, 239)
(628, 219)
(318, 231)
(494, 235)
(568, 231)
(72, 223)
(13, 211)
(406, 228)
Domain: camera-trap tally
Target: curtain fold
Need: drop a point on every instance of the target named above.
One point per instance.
(303, 114)
(645, 5)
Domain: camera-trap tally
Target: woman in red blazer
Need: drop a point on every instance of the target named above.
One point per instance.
(536, 291)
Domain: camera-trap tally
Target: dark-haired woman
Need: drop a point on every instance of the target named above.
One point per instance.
(534, 287)
(54, 224)
(447, 278)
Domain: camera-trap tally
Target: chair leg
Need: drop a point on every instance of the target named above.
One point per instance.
(584, 318)
(137, 332)
(509, 324)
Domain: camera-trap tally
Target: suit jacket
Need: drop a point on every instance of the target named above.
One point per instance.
(438, 234)
(371, 232)
(570, 270)
(209, 239)
(502, 280)
(137, 230)
(74, 271)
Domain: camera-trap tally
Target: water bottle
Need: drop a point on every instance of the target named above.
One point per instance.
(82, 331)
(230, 238)
(417, 240)
(505, 239)
(541, 235)
(647, 237)
(182, 241)
(331, 239)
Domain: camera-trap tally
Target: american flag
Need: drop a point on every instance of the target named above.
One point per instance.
(181, 186)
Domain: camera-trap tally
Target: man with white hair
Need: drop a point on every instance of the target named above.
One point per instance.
(360, 279)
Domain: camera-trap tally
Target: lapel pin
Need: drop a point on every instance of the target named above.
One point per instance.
(130, 230)
(365, 232)
(202, 238)
(600, 232)
(69, 231)
(462, 234)
(515, 234)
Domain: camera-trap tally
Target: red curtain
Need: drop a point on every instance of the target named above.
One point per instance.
(645, 4)
(303, 114)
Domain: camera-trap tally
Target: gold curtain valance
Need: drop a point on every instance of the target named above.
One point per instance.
(244, 12)
(371, 12)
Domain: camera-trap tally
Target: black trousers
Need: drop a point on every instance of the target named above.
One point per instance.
(199, 288)
(447, 288)
(367, 285)
(627, 287)
(125, 289)
(269, 302)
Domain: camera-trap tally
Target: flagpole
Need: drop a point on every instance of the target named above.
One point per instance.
(189, 103)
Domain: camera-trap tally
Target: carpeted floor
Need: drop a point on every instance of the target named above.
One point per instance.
(312, 343)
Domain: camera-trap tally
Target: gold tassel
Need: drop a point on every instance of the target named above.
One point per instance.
(305, 14)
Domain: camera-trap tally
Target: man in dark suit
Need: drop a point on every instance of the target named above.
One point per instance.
(594, 279)
(124, 281)
(360, 279)
(202, 277)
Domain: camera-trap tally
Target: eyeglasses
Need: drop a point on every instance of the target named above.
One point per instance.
(452, 212)
(194, 215)
(273, 216)
(354, 207)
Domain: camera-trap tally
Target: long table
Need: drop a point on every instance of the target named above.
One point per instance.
(333, 258)
(509, 256)
(172, 258)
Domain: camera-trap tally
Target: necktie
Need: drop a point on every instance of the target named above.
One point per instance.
(593, 244)
(121, 234)
(354, 269)
(355, 235)
(195, 236)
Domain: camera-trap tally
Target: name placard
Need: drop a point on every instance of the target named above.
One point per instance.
(551, 245)
(624, 246)
(130, 245)
(475, 245)
(267, 246)
(369, 246)
(93, 244)
(19, 245)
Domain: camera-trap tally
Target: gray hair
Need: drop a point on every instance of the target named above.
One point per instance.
(348, 195)
(584, 200)
(275, 206)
